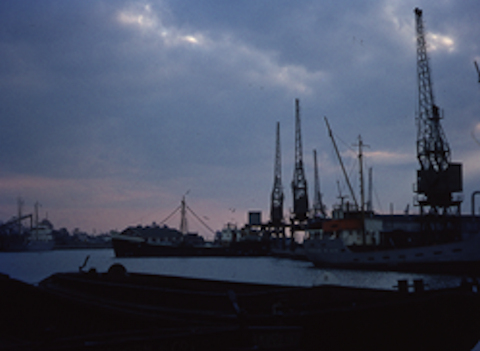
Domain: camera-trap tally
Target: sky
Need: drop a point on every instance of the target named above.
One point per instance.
(112, 111)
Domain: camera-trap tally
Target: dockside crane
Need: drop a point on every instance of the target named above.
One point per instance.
(299, 183)
(276, 203)
(318, 206)
(438, 179)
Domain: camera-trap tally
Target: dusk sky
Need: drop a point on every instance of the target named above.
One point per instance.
(111, 111)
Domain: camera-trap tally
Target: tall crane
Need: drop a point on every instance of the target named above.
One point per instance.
(318, 206)
(276, 204)
(438, 178)
(299, 183)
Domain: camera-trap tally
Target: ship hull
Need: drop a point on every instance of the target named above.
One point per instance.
(125, 246)
(19, 243)
(459, 257)
(37, 245)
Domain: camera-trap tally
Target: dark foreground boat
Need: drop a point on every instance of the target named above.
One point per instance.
(78, 312)
(121, 310)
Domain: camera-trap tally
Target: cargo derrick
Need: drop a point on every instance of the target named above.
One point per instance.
(276, 204)
(299, 183)
(438, 178)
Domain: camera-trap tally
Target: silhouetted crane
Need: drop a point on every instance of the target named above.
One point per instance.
(299, 183)
(276, 205)
(437, 178)
(318, 206)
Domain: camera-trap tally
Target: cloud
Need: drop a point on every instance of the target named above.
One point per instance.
(440, 42)
(114, 104)
(388, 157)
(229, 52)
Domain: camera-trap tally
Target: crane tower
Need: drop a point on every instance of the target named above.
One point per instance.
(438, 178)
(318, 206)
(276, 205)
(299, 183)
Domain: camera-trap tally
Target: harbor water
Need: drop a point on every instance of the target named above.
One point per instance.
(32, 267)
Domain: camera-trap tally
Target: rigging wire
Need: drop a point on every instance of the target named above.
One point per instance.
(171, 214)
(378, 199)
(193, 213)
(340, 161)
(352, 166)
(200, 220)
(341, 183)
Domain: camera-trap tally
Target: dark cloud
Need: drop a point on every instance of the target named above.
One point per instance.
(126, 105)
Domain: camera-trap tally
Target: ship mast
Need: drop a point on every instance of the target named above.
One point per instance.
(183, 217)
(361, 145)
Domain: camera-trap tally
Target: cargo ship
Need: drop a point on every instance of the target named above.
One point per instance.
(438, 239)
(352, 239)
(15, 236)
(163, 241)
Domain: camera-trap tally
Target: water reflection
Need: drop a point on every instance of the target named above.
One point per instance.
(32, 267)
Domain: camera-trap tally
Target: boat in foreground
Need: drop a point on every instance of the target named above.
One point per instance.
(229, 315)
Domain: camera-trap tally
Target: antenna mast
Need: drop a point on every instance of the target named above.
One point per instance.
(299, 183)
